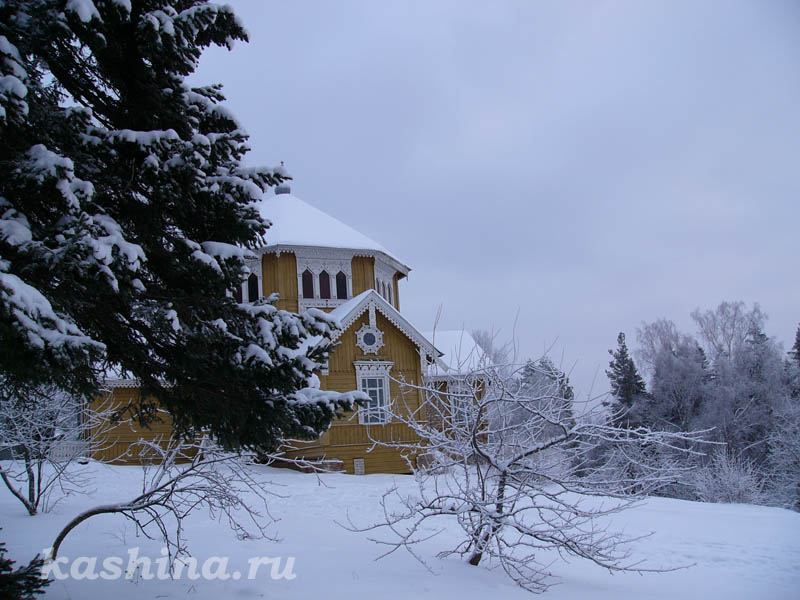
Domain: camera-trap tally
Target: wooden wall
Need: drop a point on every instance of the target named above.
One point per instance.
(279, 274)
(363, 274)
(114, 442)
(347, 439)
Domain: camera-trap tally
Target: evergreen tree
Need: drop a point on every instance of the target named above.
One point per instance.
(542, 379)
(125, 216)
(627, 386)
(794, 353)
(24, 583)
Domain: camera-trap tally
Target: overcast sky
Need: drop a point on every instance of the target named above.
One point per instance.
(588, 165)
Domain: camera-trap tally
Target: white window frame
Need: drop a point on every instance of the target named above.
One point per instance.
(255, 269)
(369, 372)
(460, 398)
(369, 348)
(318, 260)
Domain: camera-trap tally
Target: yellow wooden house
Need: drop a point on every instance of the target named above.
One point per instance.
(313, 260)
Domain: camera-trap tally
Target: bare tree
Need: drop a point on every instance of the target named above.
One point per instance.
(725, 328)
(496, 352)
(656, 338)
(178, 477)
(784, 449)
(506, 468)
(45, 432)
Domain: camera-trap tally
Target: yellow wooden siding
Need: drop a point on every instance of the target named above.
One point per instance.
(279, 274)
(115, 443)
(347, 439)
(363, 274)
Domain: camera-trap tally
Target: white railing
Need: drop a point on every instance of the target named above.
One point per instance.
(67, 450)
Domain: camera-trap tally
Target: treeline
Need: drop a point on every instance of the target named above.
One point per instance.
(728, 378)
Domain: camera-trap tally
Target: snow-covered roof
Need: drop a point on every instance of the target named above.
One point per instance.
(297, 223)
(461, 354)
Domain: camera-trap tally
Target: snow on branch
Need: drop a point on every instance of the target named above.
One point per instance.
(180, 476)
(35, 318)
(500, 452)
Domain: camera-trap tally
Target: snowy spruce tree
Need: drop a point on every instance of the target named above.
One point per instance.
(21, 583)
(794, 353)
(125, 215)
(628, 389)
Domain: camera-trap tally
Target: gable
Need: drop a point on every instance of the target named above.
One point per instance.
(397, 348)
(370, 302)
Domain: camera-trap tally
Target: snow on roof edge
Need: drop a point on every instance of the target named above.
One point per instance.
(298, 223)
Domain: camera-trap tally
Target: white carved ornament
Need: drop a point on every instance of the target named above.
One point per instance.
(369, 338)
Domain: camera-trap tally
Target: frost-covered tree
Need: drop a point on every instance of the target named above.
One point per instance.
(628, 390)
(747, 389)
(46, 434)
(514, 486)
(724, 329)
(679, 376)
(125, 215)
(784, 456)
(542, 379)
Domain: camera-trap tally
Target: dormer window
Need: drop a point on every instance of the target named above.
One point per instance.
(308, 284)
(252, 288)
(324, 285)
(324, 278)
(341, 286)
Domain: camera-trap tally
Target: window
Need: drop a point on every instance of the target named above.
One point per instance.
(372, 378)
(237, 294)
(252, 287)
(374, 411)
(308, 284)
(341, 286)
(390, 294)
(325, 285)
(460, 398)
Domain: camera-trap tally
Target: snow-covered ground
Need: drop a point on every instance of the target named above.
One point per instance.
(739, 551)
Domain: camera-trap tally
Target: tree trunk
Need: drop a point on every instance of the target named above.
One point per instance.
(28, 506)
(476, 557)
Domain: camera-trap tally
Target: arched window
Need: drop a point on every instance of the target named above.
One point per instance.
(341, 286)
(237, 293)
(252, 287)
(390, 294)
(324, 285)
(308, 284)
(383, 287)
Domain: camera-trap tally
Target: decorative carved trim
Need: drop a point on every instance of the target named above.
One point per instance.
(373, 368)
(374, 300)
(336, 253)
(114, 383)
(306, 303)
(365, 347)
